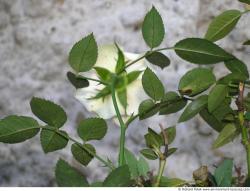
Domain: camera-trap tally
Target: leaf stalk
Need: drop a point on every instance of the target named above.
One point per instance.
(106, 163)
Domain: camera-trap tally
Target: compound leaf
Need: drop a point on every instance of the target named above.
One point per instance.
(217, 96)
(119, 177)
(171, 103)
(48, 112)
(147, 108)
(81, 154)
(193, 108)
(67, 176)
(83, 54)
(237, 66)
(16, 129)
(92, 129)
(131, 161)
(153, 28)
(226, 135)
(201, 51)
(222, 25)
(223, 174)
(77, 81)
(158, 59)
(149, 154)
(51, 140)
(152, 85)
(196, 81)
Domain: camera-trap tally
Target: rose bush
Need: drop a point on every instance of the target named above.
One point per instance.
(112, 84)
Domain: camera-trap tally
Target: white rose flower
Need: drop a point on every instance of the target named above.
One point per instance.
(107, 57)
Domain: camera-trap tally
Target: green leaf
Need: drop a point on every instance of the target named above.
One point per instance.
(223, 174)
(122, 96)
(232, 78)
(158, 59)
(171, 103)
(149, 154)
(237, 66)
(211, 120)
(16, 129)
(153, 139)
(193, 108)
(245, 1)
(81, 155)
(120, 177)
(92, 129)
(247, 116)
(226, 135)
(102, 93)
(171, 134)
(196, 81)
(223, 109)
(120, 64)
(48, 112)
(152, 85)
(247, 42)
(132, 76)
(153, 28)
(222, 25)
(171, 182)
(201, 51)
(171, 151)
(67, 176)
(233, 91)
(77, 81)
(83, 54)
(143, 167)
(216, 97)
(103, 73)
(52, 140)
(147, 108)
(131, 161)
(173, 107)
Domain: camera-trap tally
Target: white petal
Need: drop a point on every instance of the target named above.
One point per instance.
(107, 57)
(135, 95)
(104, 108)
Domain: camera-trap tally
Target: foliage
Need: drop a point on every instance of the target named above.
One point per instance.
(199, 92)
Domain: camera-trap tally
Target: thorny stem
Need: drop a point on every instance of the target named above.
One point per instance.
(244, 130)
(122, 124)
(80, 145)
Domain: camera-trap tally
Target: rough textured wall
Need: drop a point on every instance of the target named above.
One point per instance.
(35, 38)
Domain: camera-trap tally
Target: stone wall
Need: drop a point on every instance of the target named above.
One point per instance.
(35, 38)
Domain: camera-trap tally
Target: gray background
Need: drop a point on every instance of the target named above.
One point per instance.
(35, 38)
